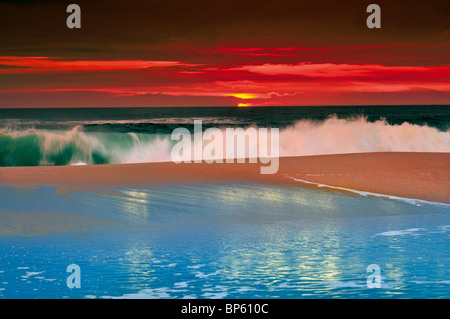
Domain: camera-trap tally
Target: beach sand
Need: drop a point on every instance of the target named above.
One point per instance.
(423, 176)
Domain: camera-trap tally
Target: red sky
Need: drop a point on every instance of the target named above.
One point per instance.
(210, 63)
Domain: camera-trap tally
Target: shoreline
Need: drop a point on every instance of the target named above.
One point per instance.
(423, 176)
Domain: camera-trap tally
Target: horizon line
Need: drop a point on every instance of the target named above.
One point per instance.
(211, 106)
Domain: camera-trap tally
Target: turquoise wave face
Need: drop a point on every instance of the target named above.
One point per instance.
(73, 147)
(34, 148)
(19, 151)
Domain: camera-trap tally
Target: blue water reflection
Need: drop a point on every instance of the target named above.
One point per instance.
(234, 240)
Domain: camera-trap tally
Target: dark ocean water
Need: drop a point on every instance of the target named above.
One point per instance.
(33, 137)
(164, 120)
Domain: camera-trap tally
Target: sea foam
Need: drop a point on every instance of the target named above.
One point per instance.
(34, 147)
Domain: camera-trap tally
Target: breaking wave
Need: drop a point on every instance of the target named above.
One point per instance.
(36, 147)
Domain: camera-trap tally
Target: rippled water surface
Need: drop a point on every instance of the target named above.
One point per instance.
(235, 240)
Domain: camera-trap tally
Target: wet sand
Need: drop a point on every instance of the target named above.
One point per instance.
(423, 176)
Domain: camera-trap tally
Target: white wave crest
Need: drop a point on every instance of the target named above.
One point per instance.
(337, 136)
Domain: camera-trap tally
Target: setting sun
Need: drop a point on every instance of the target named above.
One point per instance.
(244, 96)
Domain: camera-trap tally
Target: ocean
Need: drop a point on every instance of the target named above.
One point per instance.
(234, 239)
(229, 240)
(34, 137)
